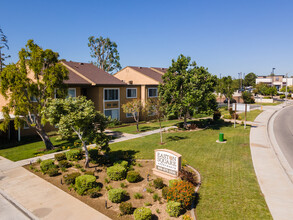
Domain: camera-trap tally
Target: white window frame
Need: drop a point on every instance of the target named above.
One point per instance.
(149, 92)
(34, 121)
(68, 92)
(131, 97)
(111, 89)
(113, 109)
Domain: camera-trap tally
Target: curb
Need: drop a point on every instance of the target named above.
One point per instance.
(277, 150)
(23, 210)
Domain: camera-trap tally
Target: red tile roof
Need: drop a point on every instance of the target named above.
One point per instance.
(148, 72)
(90, 73)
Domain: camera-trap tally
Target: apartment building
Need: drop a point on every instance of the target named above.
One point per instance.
(278, 81)
(108, 92)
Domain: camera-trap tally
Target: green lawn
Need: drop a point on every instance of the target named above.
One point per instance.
(131, 129)
(30, 147)
(229, 186)
(250, 116)
(268, 104)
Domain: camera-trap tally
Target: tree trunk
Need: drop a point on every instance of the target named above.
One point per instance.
(185, 121)
(137, 128)
(161, 133)
(41, 132)
(228, 104)
(87, 159)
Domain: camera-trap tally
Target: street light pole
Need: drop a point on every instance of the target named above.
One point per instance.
(286, 93)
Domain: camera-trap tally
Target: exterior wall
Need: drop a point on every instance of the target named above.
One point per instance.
(3, 102)
(128, 74)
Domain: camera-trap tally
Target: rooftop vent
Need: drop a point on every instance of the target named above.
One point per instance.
(80, 63)
(140, 67)
(130, 82)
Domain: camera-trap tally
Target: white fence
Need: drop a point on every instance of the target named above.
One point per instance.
(262, 100)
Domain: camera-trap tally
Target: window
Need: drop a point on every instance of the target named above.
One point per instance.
(131, 93)
(26, 126)
(113, 113)
(71, 93)
(111, 94)
(153, 92)
(129, 115)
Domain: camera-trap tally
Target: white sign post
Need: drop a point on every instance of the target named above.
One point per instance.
(167, 163)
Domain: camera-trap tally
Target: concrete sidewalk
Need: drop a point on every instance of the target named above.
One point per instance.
(126, 137)
(40, 198)
(273, 180)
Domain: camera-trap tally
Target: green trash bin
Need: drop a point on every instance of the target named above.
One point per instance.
(221, 137)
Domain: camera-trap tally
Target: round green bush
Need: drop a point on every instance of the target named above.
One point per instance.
(46, 165)
(123, 163)
(74, 154)
(60, 156)
(173, 208)
(142, 213)
(133, 176)
(64, 164)
(84, 183)
(158, 183)
(53, 171)
(117, 195)
(94, 192)
(116, 172)
(70, 178)
(126, 208)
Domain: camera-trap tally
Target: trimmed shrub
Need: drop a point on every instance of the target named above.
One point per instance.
(84, 183)
(74, 154)
(165, 192)
(60, 156)
(182, 192)
(188, 176)
(123, 163)
(94, 192)
(142, 213)
(186, 217)
(156, 197)
(64, 164)
(217, 115)
(173, 208)
(70, 178)
(138, 196)
(126, 208)
(227, 116)
(116, 172)
(46, 165)
(158, 183)
(52, 171)
(117, 195)
(133, 176)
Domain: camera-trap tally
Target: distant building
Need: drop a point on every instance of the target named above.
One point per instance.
(278, 81)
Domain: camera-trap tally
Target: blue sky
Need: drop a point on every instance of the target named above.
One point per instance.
(227, 37)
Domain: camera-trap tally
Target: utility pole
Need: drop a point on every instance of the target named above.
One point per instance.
(286, 93)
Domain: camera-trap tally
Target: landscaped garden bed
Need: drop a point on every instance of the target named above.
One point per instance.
(118, 188)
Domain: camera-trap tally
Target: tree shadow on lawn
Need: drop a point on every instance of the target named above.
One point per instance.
(176, 138)
(113, 156)
(14, 143)
(147, 128)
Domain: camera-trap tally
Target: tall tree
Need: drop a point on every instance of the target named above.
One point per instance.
(249, 79)
(134, 108)
(226, 87)
(29, 84)
(105, 52)
(3, 45)
(78, 116)
(157, 107)
(187, 88)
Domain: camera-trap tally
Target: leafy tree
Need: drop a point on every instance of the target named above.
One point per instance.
(289, 89)
(249, 79)
(226, 87)
(3, 44)
(272, 91)
(187, 88)
(134, 107)
(158, 108)
(105, 52)
(29, 84)
(247, 97)
(264, 89)
(78, 116)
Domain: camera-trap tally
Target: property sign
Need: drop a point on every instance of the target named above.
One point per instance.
(167, 161)
(241, 107)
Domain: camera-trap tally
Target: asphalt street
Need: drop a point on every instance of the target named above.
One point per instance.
(283, 130)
